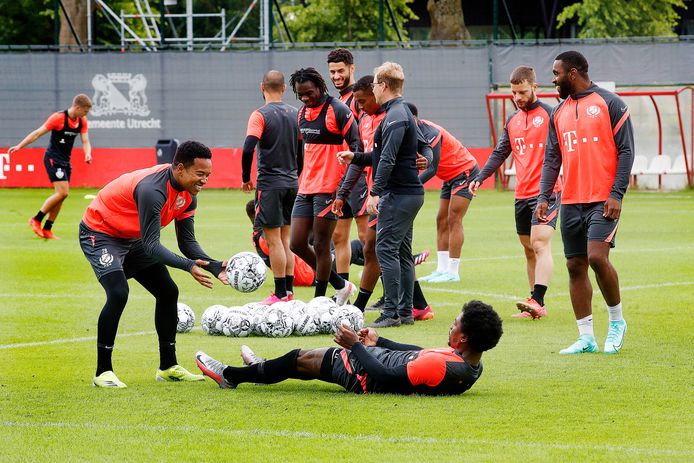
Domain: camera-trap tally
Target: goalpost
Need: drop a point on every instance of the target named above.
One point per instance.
(663, 122)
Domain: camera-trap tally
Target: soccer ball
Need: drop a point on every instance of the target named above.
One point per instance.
(186, 318)
(276, 324)
(236, 322)
(349, 314)
(295, 305)
(246, 272)
(303, 316)
(323, 309)
(211, 317)
(258, 318)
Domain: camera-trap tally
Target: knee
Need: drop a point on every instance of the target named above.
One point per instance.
(63, 194)
(296, 247)
(576, 268)
(118, 295)
(597, 261)
(340, 237)
(321, 246)
(539, 247)
(370, 249)
(167, 291)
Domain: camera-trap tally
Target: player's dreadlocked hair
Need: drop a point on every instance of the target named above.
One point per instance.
(482, 325)
(308, 75)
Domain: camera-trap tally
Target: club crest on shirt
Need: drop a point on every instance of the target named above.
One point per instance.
(538, 120)
(593, 111)
(106, 258)
(59, 173)
(180, 202)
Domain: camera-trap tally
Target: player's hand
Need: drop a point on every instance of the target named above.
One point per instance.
(474, 186)
(247, 187)
(200, 275)
(88, 158)
(223, 274)
(612, 208)
(372, 205)
(422, 162)
(368, 336)
(345, 335)
(345, 157)
(337, 207)
(541, 211)
(13, 149)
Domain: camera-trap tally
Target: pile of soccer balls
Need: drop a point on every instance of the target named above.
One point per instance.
(319, 316)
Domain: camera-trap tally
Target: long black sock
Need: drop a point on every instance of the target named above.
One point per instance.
(363, 298)
(321, 288)
(289, 282)
(281, 287)
(419, 302)
(167, 355)
(116, 287)
(48, 225)
(40, 215)
(539, 294)
(336, 281)
(345, 276)
(268, 372)
(103, 358)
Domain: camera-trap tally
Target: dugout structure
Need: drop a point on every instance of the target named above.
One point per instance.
(663, 120)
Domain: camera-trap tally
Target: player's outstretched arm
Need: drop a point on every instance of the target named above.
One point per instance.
(29, 139)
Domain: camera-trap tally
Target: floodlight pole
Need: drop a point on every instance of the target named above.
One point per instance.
(189, 23)
(89, 26)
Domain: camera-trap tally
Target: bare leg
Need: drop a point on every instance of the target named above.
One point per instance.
(579, 286)
(442, 226)
(541, 240)
(298, 241)
(322, 233)
(605, 273)
(285, 232)
(343, 250)
(372, 270)
(278, 258)
(457, 208)
(54, 202)
(530, 261)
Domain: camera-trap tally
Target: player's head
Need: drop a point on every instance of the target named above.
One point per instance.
(388, 82)
(309, 86)
(570, 68)
(192, 166)
(81, 105)
(523, 86)
(477, 328)
(413, 109)
(341, 68)
(273, 82)
(250, 210)
(364, 95)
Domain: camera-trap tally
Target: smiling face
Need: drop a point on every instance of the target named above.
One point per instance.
(523, 94)
(308, 94)
(341, 74)
(193, 178)
(563, 79)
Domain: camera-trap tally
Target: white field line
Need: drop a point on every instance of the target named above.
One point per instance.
(350, 438)
(69, 340)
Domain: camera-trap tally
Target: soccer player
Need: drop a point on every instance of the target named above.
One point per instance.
(368, 363)
(397, 142)
(120, 237)
(275, 130)
(326, 126)
(455, 165)
(524, 136)
(590, 133)
(64, 127)
(372, 114)
(341, 69)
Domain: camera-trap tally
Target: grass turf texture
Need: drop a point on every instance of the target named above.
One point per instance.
(530, 404)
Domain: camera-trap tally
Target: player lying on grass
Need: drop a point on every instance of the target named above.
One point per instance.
(368, 363)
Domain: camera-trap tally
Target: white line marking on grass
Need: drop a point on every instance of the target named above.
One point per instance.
(324, 436)
(68, 340)
(472, 293)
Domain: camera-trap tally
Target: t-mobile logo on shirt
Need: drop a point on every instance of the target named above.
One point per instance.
(570, 140)
(520, 145)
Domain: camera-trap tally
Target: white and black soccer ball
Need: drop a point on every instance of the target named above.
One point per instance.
(305, 323)
(258, 318)
(296, 305)
(186, 318)
(276, 324)
(350, 314)
(236, 322)
(323, 309)
(210, 319)
(246, 272)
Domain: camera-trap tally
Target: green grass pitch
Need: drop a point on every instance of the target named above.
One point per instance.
(530, 404)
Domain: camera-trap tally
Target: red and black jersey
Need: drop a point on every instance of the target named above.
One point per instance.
(63, 133)
(347, 97)
(325, 130)
(591, 136)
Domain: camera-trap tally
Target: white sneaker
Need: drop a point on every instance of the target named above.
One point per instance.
(615, 337)
(108, 379)
(249, 357)
(343, 295)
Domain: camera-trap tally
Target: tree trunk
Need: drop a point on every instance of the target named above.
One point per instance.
(447, 21)
(77, 9)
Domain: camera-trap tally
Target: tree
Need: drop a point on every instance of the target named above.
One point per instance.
(77, 10)
(447, 20)
(623, 18)
(344, 20)
(19, 28)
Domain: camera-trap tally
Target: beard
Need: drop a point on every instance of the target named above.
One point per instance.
(564, 90)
